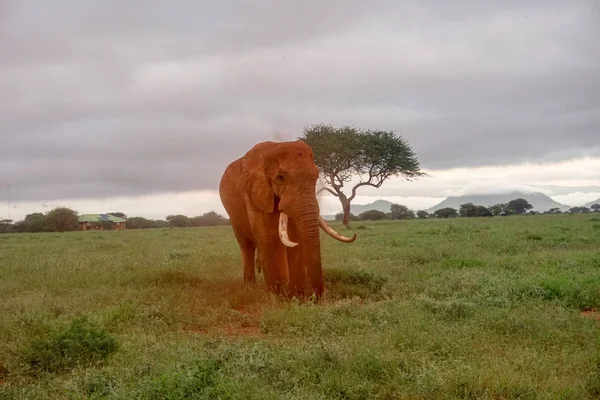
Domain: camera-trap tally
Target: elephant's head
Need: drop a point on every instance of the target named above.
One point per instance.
(282, 177)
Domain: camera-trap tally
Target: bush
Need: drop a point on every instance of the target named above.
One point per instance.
(81, 344)
(200, 382)
(353, 283)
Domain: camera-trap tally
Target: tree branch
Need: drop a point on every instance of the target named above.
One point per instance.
(336, 186)
(353, 195)
(326, 189)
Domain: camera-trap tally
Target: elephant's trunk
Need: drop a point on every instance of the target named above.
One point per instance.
(307, 224)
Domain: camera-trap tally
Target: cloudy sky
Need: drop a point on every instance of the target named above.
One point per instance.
(139, 106)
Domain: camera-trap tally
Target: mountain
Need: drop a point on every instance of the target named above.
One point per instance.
(539, 201)
(379, 205)
(356, 209)
(588, 205)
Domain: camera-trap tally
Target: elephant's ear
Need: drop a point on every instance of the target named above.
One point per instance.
(255, 181)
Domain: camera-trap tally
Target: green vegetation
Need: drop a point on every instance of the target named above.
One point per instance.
(59, 219)
(464, 308)
(63, 219)
(79, 344)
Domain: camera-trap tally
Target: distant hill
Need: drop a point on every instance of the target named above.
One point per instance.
(379, 205)
(588, 205)
(356, 209)
(328, 217)
(539, 201)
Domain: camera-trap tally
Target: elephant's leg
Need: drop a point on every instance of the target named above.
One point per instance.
(258, 265)
(248, 253)
(296, 266)
(297, 272)
(273, 260)
(248, 250)
(271, 252)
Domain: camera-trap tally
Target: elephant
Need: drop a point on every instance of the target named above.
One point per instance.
(270, 197)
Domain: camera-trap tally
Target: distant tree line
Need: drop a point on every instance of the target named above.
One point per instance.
(517, 206)
(59, 219)
(63, 219)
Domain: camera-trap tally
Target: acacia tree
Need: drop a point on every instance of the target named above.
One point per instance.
(372, 155)
(35, 222)
(372, 215)
(519, 206)
(62, 219)
(6, 225)
(472, 210)
(178, 221)
(400, 211)
(447, 212)
(422, 214)
(497, 209)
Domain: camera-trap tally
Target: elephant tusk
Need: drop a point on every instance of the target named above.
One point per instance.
(283, 235)
(331, 232)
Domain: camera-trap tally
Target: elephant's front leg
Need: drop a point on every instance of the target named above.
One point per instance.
(273, 260)
(271, 252)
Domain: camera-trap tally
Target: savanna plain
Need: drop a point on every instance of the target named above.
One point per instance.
(469, 308)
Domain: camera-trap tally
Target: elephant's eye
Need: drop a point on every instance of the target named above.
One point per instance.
(280, 178)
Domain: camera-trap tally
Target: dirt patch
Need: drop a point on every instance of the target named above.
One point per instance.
(593, 314)
(228, 307)
(240, 321)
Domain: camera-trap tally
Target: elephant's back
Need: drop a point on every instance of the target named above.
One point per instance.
(232, 174)
(229, 184)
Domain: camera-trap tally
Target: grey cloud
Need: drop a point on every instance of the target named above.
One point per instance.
(109, 98)
(560, 190)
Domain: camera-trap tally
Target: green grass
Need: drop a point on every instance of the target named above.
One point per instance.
(487, 308)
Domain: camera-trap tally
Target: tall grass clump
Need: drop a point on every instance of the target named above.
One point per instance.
(79, 345)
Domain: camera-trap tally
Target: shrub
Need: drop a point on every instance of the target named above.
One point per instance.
(81, 344)
(353, 283)
(200, 382)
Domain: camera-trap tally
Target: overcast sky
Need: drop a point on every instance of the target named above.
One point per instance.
(141, 105)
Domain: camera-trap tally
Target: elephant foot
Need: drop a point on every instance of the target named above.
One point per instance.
(316, 295)
(249, 275)
(292, 291)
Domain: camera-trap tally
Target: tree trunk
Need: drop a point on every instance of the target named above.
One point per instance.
(346, 210)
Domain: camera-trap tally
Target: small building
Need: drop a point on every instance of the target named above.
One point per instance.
(100, 221)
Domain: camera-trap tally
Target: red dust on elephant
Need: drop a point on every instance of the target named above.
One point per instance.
(269, 194)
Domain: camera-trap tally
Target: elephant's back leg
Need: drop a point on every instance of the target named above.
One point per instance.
(248, 251)
(233, 201)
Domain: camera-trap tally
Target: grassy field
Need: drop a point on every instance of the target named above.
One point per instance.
(486, 308)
